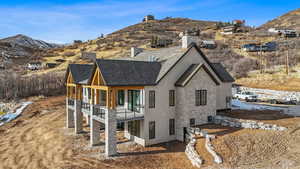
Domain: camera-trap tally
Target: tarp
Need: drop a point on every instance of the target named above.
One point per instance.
(11, 116)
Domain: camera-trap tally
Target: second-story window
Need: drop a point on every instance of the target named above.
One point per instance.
(151, 99)
(171, 97)
(201, 97)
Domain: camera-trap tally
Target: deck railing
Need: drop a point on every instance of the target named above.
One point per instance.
(71, 102)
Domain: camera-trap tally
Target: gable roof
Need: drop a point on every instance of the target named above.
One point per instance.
(222, 72)
(190, 72)
(128, 73)
(81, 73)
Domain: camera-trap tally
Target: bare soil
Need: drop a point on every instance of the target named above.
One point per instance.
(38, 139)
(248, 148)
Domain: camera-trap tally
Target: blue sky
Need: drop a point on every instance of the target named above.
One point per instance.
(62, 21)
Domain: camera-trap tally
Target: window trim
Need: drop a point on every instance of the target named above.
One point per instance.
(172, 98)
(152, 99)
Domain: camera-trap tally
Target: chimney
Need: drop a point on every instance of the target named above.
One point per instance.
(135, 51)
(188, 39)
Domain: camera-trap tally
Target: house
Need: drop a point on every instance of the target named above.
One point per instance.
(51, 65)
(34, 65)
(238, 22)
(288, 33)
(148, 18)
(208, 44)
(267, 47)
(229, 30)
(155, 98)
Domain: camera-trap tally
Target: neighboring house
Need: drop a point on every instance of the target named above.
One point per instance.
(34, 65)
(155, 98)
(148, 18)
(51, 65)
(288, 33)
(229, 30)
(208, 44)
(267, 47)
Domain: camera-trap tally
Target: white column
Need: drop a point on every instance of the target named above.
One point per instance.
(126, 132)
(70, 116)
(87, 119)
(126, 99)
(78, 116)
(110, 133)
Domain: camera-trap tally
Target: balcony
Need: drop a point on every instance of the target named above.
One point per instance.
(123, 114)
(71, 103)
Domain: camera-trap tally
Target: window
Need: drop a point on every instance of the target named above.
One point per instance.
(134, 128)
(192, 122)
(152, 130)
(102, 97)
(172, 126)
(201, 97)
(209, 118)
(152, 99)
(171, 97)
(89, 93)
(121, 97)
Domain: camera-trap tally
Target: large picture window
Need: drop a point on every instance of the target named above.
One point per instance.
(152, 130)
(171, 97)
(152, 99)
(201, 97)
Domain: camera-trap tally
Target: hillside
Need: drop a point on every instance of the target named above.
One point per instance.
(20, 48)
(288, 20)
(118, 44)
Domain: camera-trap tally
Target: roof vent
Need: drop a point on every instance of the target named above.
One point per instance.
(152, 59)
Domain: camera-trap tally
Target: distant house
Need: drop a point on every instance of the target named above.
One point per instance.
(229, 30)
(238, 22)
(267, 47)
(34, 65)
(208, 44)
(288, 33)
(148, 18)
(51, 65)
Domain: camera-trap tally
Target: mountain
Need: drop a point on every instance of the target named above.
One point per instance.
(21, 46)
(26, 41)
(288, 20)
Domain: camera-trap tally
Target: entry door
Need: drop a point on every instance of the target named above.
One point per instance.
(134, 100)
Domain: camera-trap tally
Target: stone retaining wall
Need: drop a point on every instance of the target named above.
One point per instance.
(250, 124)
(191, 152)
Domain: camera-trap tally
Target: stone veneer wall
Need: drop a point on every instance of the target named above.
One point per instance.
(191, 152)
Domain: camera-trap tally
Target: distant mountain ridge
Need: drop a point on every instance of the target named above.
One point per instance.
(22, 46)
(23, 40)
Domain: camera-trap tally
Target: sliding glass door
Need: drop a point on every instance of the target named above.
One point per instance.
(134, 100)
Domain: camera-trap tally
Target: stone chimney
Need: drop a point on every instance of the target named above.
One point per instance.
(188, 39)
(135, 51)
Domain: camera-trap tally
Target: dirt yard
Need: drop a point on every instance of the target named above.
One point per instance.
(249, 149)
(38, 139)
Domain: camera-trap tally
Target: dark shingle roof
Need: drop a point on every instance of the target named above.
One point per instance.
(81, 72)
(222, 72)
(128, 73)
